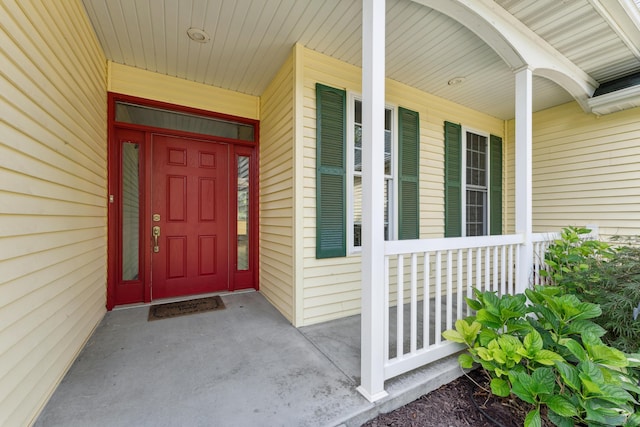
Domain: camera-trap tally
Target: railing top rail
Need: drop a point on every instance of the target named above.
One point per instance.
(551, 235)
(396, 247)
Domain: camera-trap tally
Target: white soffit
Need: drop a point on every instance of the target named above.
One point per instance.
(251, 39)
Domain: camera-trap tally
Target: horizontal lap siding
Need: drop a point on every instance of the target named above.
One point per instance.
(53, 173)
(332, 286)
(586, 170)
(146, 84)
(276, 192)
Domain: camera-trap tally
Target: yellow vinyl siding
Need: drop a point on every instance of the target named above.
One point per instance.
(146, 84)
(585, 170)
(276, 192)
(53, 180)
(332, 286)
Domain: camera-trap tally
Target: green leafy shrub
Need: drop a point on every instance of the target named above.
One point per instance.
(572, 252)
(545, 348)
(601, 274)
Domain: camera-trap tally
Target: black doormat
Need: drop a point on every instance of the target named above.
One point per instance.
(182, 308)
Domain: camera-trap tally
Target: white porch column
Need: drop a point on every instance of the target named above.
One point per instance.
(524, 173)
(373, 88)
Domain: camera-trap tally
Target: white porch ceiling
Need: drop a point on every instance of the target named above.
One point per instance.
(250, 39)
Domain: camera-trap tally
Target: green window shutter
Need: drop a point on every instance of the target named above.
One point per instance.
(408, 174)
(331, 124)
(452, 180)
(495, 185)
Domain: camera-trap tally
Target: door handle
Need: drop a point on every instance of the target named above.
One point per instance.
(155, 231)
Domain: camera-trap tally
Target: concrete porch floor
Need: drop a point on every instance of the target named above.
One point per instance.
(242, 366)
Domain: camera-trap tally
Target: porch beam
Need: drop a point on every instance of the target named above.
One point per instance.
(373, 94)
(524, 174)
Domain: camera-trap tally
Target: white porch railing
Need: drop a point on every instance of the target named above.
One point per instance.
(541, 242)
(425, 282)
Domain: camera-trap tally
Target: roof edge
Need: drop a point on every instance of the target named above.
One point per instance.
(618, 100)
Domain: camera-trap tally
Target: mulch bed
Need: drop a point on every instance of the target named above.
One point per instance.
(453, 405)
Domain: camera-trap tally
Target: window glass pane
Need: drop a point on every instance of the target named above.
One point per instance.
(130, 211)
(476, 160)
(357, 149)
(476, 213)
(476, 174)
(357, 210)
(243, 213)
(357, 167)
(387, 119)
(387, 152)
(166, 119)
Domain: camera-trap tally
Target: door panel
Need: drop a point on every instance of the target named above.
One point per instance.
(190, 194)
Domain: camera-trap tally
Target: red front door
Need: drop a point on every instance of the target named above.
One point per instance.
(190, 217)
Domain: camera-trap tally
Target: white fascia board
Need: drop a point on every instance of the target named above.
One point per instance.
(612, 102)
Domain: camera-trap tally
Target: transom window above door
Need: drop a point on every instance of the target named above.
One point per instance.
(127, 112)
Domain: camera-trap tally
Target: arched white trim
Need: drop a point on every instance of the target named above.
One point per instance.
(516, 44)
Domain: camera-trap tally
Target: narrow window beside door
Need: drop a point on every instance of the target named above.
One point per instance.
(130, 211)
(243, 213)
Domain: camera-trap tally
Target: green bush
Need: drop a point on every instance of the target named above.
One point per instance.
(601, 274)
(545, 348)
(572, 252)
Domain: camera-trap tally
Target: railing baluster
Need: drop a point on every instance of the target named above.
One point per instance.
(536, 266)
(487, 270)
(511, 278)
(469, 277)
(438, 303)
(479, 270)
(426, 320)
(517, 269)
(400, 308)
(449, 289)
(496, 282)
(414, 302)
(386, 308)
(503, 270)
(459, 292)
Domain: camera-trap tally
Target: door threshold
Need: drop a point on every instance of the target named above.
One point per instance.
(179, 299)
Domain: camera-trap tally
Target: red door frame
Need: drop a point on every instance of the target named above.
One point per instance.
(237, 279)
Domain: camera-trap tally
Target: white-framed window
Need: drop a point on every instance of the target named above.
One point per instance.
(354, 172)
(475, 183)
(472, 182)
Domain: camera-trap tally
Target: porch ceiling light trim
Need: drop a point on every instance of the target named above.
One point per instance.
(198, 35)
(456, 81)
(517, 44)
